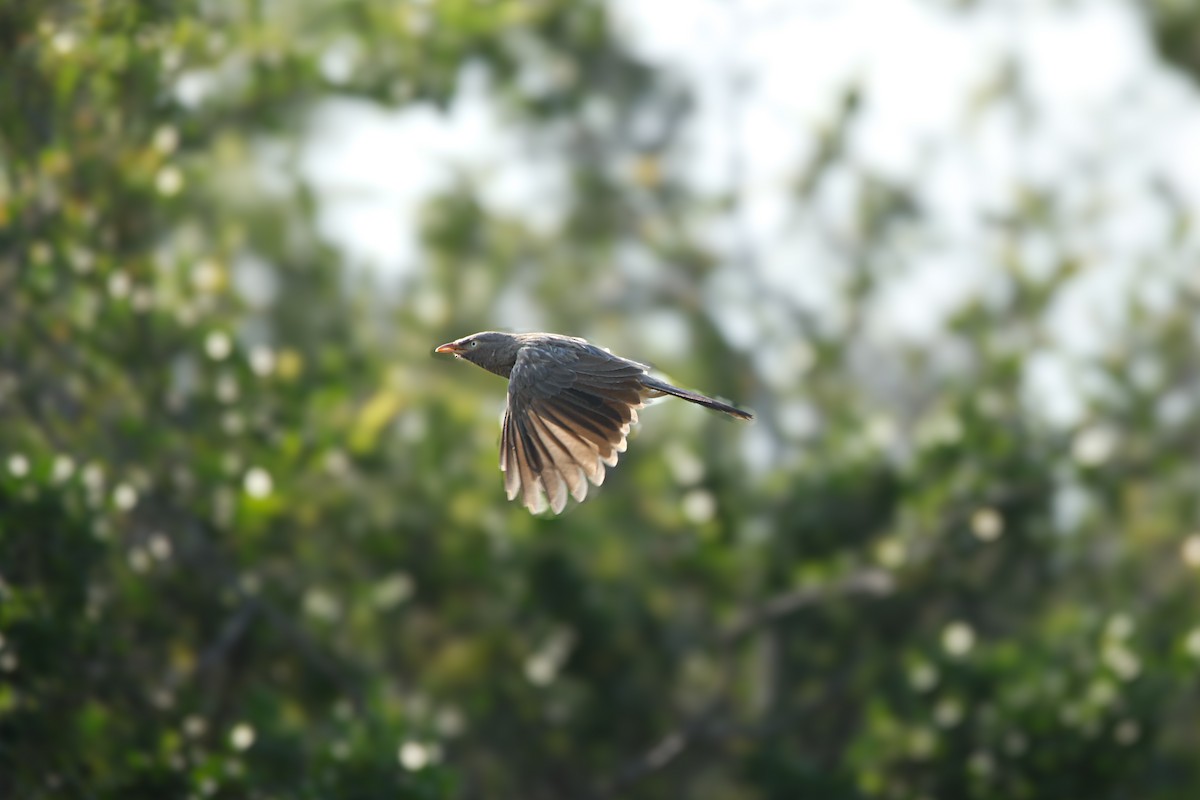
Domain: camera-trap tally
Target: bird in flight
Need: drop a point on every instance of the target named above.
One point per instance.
(570, 405)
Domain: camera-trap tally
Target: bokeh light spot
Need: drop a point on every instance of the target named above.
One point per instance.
(63, 42)
(18, 465)
(139, 559)
(921, 743)
(63, 468)
(948, 712)
(194, 726)
(125, 497)
(923, 676)
(168, 181)
(1120, 626)
(891, 552)
(699, 506)
(958, 638)
(227, 388)
(413, 755)
(1094, 445)
(393, 590)
(1191, 551)
(987, 524)
(242, 736)
(119, 285)
(218, 345)
(166, 139)
(160, 547)
(207, 276)
(262, 360)
(982, 764)
(322, 605)
(1191, 643)
(1122, 661)
(258, 483)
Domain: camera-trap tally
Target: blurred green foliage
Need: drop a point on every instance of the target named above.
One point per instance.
(253, 540)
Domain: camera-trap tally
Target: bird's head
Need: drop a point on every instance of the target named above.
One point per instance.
(493, 350)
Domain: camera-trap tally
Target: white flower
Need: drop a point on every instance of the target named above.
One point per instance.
(262, 360)
(168, 181)
(1094, 445)
(257, 482)
(414, 755)
(242, 736)
(958, 638)
(1191, 551)
(218, 345)
(125, 497)
(18, 465)
(987, 524)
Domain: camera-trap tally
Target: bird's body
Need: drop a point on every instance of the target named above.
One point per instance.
(570, 405)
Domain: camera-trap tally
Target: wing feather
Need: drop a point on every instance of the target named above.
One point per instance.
(543, 462)
(603, 410)
(531, 495)
(583, 451)
(566, 463)
(508, 457)
(570, 407)
(580, 424)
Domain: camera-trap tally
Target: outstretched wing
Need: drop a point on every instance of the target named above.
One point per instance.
(569, 411)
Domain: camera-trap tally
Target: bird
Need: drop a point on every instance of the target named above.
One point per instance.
(569, 408)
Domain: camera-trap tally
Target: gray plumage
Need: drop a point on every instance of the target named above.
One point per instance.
(570, 405)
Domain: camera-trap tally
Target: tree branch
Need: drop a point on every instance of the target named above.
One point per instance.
(866, 581)
(704, 725)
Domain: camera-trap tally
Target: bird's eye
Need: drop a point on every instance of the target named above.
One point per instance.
(474, 343)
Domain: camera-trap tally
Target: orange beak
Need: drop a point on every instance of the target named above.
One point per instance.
(450, 347)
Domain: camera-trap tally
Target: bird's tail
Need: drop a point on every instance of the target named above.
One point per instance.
(662, 387)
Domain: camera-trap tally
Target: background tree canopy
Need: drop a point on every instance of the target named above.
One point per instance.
(253, 540)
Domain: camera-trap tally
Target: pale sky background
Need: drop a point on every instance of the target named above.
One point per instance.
(1109, 120)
